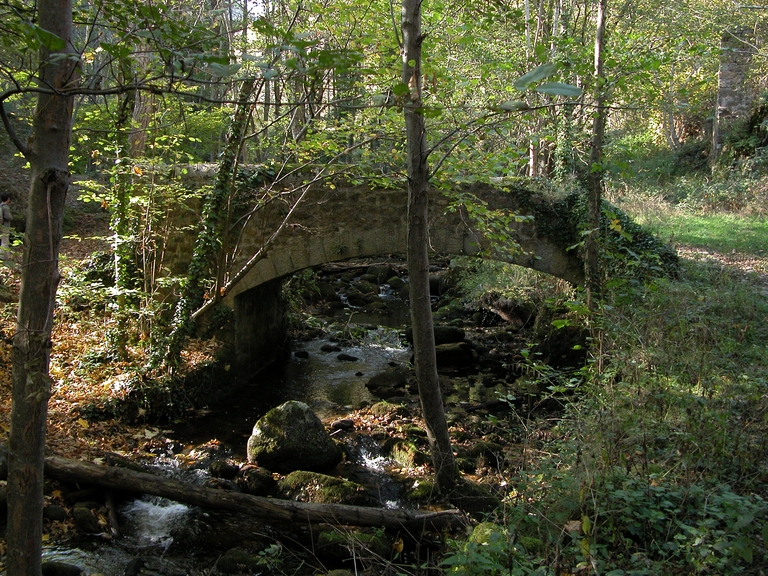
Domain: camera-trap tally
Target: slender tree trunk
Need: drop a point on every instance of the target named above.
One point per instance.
(595, 192)
(418, 259)
(48, 158)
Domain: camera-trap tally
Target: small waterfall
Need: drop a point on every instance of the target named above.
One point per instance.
(151, 521)
(375, 474)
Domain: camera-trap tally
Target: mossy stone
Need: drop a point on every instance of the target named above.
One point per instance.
(396, 282)
(367, 287)
(491, 450)
(422, 491)
(532, 545)
(485, 532)
(385, 409)
(406, 453)
(474, 498)
(237, 561)
(292, 437)
(257, 481)
(322, 489)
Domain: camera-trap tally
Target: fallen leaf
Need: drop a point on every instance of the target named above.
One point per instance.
(572, 526)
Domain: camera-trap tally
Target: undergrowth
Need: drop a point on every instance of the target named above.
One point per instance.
(660, 465)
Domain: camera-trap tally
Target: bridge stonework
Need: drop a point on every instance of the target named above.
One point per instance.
(358, 222)
(341, 224)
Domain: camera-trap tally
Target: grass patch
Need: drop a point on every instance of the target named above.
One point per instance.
(721, 231)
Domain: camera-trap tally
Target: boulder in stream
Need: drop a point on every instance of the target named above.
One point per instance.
(389, 383)
(292, 437)
(380, 272)
(322, 489)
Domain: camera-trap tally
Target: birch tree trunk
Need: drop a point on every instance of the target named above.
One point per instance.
(418, 258)
(48, 156)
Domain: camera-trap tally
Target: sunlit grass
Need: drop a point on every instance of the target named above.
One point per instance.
(723, 232)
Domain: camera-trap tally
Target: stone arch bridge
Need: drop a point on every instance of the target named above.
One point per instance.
(358, 222)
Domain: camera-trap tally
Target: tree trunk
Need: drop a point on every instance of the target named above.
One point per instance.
(48, 158)
(267, 508)
(595, 192)
(418, 258)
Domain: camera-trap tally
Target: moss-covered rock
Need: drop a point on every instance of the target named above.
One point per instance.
(414, 430)
(380, 272)
(291, 437)
(257, 481)
(381, 409)
(489, 450)
(366, 287)
(314, 487)
(405, 453)
(473, 498)
(422, 491)
(486, 532)
(531, 544)
(395, 282)
(237, 561)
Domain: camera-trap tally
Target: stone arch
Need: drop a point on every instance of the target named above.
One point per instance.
(357, 223)
(363, 223)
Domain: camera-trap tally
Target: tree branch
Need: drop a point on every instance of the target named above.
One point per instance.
(23, 148)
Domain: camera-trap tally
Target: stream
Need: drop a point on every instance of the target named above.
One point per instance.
(153, 529)
(363, 337)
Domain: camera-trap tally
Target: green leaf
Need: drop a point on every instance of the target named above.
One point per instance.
(400, 89)
(39, 38)
(538, 73)
(432, 112)
(223, 70)
(269, 73)
(559, 89)
(513, 106)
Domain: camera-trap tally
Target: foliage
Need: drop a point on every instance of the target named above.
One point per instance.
(627, 250)
(491, 550)
(481, 279)
(296, 291)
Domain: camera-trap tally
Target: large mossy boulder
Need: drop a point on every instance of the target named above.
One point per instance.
(292, 437)
(456, 355)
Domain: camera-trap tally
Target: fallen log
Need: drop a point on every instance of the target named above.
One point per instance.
(271, 509)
